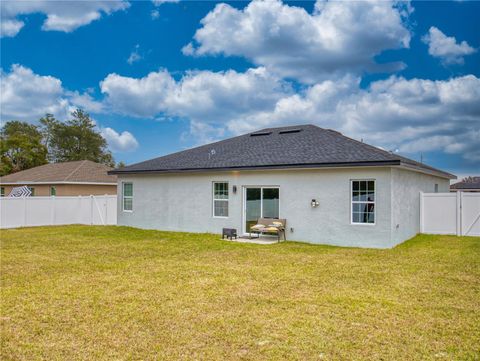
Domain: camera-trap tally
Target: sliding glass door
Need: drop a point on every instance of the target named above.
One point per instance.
(260, 202)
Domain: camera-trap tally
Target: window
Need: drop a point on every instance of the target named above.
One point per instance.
(32, 190)
(127, 197)
(220, 199)
(435, 188)
(363, 201)
(53, 191)
(2, 191)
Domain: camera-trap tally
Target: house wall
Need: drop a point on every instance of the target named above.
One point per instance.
(40, 190)
(67, 189)
(406, 188)
(85, 189)
(183, 202)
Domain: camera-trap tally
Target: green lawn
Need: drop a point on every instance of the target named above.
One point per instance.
(87, 293)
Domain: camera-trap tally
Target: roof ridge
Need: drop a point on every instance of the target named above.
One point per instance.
(286, 126)
(73, 171)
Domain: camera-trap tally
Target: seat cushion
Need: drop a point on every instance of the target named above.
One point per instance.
(272, 229)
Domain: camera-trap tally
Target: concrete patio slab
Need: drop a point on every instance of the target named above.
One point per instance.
(261, 240)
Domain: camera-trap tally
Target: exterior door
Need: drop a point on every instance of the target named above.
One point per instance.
(260, 202)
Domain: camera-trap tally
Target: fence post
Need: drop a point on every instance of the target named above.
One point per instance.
(106, 210)
(91, 209)
(459, 213)
(422, 227)
(52, 201)
(463, 232)
(79, 213)
(24, 211)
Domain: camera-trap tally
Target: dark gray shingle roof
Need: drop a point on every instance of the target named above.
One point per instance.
(468, 183)
(286, 147)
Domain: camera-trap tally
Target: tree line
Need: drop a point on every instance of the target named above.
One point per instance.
(24, 145)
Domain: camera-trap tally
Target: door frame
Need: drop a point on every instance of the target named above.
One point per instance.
(244, 203)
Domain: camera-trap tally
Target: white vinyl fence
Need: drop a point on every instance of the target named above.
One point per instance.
(44, 211)
(450, 213)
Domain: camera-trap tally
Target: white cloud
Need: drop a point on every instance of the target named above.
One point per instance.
(28, 96)
(411, 115)
(85, 101)
(160, 2)
(134, 55)
(124, 142)
(446, 48)
(209, 96)
(202, 95)
(155, 14)
(338, 37)
(60, 15)
(144, 97)
(10, 27)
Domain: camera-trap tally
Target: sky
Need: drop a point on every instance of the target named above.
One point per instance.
(162, 76)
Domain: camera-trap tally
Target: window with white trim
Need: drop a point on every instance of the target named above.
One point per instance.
(53, 191)
(127, 197)
(363, 201)
(220, 199)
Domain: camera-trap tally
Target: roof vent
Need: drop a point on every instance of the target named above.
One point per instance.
(289, 131)
(257, 134)
(211, 153)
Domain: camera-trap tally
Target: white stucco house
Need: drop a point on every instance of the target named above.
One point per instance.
(331, 189)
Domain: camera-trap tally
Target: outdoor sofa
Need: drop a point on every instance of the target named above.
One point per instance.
(269, 226)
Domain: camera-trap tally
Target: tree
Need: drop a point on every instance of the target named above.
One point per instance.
(20, 147)
(76, 139)
(121, 164)
(47, 127)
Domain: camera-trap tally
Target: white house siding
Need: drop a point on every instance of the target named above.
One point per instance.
(183, 202)
(406, 188)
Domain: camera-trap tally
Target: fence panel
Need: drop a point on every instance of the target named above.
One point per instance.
(43, 211)
(12, 212)
(450, 213)
(38, 211)
(470, 214)
(439, 213)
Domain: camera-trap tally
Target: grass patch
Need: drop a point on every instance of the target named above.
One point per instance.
(84, 293)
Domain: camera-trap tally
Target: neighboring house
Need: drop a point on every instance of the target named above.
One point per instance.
(470, 184)
(331, 189)
(78, 178)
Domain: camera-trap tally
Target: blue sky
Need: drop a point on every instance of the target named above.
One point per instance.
(403, 77)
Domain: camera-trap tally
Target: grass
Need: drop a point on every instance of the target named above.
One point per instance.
(85, 293)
